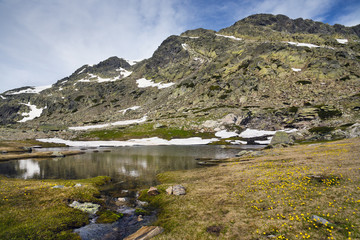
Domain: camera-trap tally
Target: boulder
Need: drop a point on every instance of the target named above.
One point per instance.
(153, 191)
(250, 153)
(211, 124)
(281, 138)
(178, 190)
(169, 190)
(321, 220)
(354, 131)
(229, 119)
(145, 232)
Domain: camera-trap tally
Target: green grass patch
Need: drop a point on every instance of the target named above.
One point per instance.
(143, 131)
(32, 209)
(108, 216)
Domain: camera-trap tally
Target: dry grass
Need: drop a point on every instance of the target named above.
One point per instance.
(6, 157)
(271, 195)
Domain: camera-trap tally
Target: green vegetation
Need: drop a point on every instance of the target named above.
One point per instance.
(143, 131)
(323, 129)
(276, 194)
(107, 216)
(32, 209)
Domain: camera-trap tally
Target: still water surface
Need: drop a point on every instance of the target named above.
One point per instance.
(135, 166)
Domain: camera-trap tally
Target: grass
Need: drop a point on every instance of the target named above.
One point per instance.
(275, 194)
(32, 209)
(142, 131)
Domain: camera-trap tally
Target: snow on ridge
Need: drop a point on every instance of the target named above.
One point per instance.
(342, 41)
(231, 37)
(125, 73)
(34, 112)
(133, 62)
(144, 83)
(303, 44)
(29, 90)
(155, 141)
(118, 123)
(185, 46)
(296, 69)
(82, 70)
(130, 108)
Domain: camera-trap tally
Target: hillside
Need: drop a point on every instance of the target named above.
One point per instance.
(269, 72)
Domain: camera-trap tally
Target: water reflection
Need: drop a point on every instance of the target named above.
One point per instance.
(138, 165)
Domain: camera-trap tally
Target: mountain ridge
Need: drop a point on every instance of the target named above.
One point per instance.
(270, 71)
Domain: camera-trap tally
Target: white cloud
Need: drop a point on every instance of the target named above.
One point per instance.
(44, 41)
(352, 18)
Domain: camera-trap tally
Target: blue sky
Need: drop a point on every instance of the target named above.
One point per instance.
(43, 41)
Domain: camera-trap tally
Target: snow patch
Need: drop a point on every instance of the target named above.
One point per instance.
(82, 70)
(94, 78)
(296, 69)
(119, 123)
(2, 97)
(225, 134)
(34, 112)
(342, 41)
(130, 108)
(144, 83)
(155, 141)
(303, 44)
(185, 46)
(29, 90)
(123, 72)
(133, 62)
(231, 37)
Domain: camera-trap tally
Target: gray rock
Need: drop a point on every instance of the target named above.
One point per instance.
(281, 137)
(78, 185)
(145, 232)
(178, 190)
(320, 220)
(354, 131)
(122, 199)
(159, 125)
(141, 203)
(250, 153)
(153, 191)
(169, 190)
(57, 154)
(58, 186)
(211, 124)
(229, 119)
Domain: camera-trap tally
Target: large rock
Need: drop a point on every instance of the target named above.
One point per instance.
(281, 138)
(145, 232)
(354, 131)
(229, 119)
(178, 190)
(153, 191)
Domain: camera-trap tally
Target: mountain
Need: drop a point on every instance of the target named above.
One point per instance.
(265, 72)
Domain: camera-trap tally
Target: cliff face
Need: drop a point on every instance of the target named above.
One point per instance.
(269, 71)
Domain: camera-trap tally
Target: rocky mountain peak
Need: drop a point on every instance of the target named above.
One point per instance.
(282, 23)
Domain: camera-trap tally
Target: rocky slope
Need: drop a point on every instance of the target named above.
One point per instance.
(269, 72)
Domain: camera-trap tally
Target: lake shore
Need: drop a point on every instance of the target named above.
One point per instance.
(273, 196)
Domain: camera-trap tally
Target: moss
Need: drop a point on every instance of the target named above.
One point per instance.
(140, 211)
(321, 129)
(328, 112)
(108, 216)
(303, 82)
(215, 88)
(78, 98)
(293, 109)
